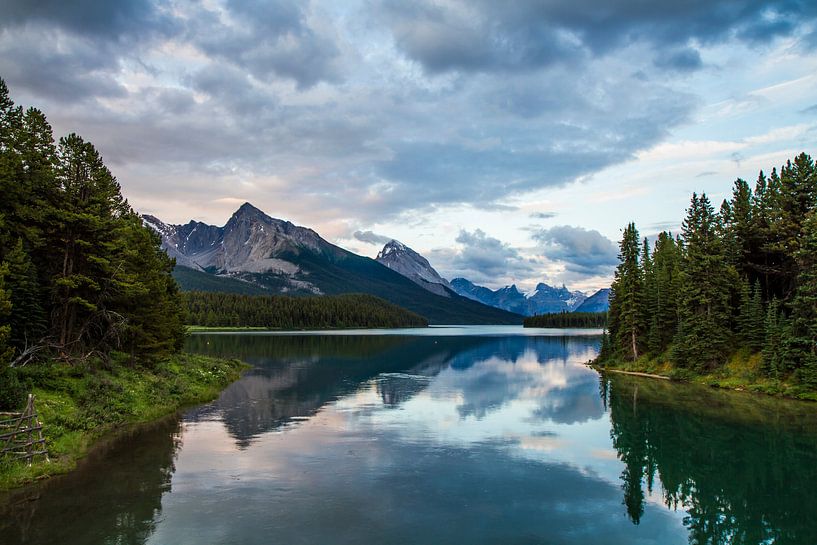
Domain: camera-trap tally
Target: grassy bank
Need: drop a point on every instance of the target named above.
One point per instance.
(202, 328)
(79, 406)
(741, 372)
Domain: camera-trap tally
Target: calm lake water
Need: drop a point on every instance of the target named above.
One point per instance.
(442, 436)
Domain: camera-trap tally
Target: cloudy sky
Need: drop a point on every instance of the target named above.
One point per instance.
(509, 142)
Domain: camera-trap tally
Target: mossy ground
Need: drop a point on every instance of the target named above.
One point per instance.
(742, 371)
(78, 406)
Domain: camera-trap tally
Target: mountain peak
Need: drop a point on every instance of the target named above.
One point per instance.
(402, 259)
(247, 209)
(393, 246)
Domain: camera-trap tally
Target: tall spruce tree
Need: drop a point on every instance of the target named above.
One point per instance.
(666, 264)
(5, 328)
(146, 292)
(776, 333)
(650, 305)
(92, 205)
(11, 392)
(702, 342)
(27, 318)
(627, 298)
(802, 336)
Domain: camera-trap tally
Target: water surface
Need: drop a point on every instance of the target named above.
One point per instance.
(450, 435)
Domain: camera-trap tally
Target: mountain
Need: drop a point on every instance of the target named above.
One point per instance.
(402, 259)
(543, 300)
(254, 253)
(598, 302)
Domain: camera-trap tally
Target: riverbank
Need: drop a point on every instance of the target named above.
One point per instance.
(742, 372)
(79, 406)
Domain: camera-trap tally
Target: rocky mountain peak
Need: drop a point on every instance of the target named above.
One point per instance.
(402, 259)
(394, 246)
(248, 212)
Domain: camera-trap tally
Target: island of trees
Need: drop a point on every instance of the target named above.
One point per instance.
(733, 296)
(568, 319)
(283, 312)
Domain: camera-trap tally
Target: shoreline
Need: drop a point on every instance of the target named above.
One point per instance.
(73, 407)
(239, 329)
(731, 383)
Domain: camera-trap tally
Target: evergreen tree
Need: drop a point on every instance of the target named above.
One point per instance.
(702, 341)
(802, 337)
(740, 235)
(146, 292)
(650, 307)
(627, 298)
(666, 266)
(91, 207)
(11, 392)
(751, 317)
(773, 348)
(5, 311)
(27, 318)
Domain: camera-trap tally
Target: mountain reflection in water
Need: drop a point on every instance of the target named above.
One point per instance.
(416, 439)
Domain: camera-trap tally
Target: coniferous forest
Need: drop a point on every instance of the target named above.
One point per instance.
(80, 276)
(213, 309)
(739, 279)
(567, 319)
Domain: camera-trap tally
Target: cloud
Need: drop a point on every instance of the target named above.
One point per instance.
(582, 251)
(659, 226)
(810, 110)
(483, 259)
(683, 60)
(371, 238)
(268, 39)
(115, 21)
(483, 35)
(543, 215)
(375, 110)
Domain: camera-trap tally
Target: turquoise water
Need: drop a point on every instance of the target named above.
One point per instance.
(452, 435)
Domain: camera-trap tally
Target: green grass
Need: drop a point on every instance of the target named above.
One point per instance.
(202, 328)
(80, 406)
(742, 371)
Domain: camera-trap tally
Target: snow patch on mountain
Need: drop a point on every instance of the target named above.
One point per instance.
(402, 259)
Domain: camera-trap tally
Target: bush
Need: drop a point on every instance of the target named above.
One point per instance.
(12, 393)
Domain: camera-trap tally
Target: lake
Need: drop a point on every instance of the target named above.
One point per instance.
(474, 435)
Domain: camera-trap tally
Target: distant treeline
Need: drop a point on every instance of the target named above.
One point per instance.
(213, 309)
(741, 277)
(568, 319)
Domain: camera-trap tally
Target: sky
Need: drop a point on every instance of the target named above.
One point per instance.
(508, 142)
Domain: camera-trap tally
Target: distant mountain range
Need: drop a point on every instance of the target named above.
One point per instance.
(255, 253)
(598, 302)
(543, 300)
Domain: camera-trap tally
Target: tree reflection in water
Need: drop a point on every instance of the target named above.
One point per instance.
(744, 468)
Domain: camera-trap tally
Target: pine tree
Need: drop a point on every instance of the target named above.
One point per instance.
(740, 235)
(11, 392)
(744, 312)
(775, 333)
(627, 298)
(146, 292)
(802, 338)
(702, 342)
(666, 264)
(5, 311)
(27, 319)
(650, 307)
(92, 205)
